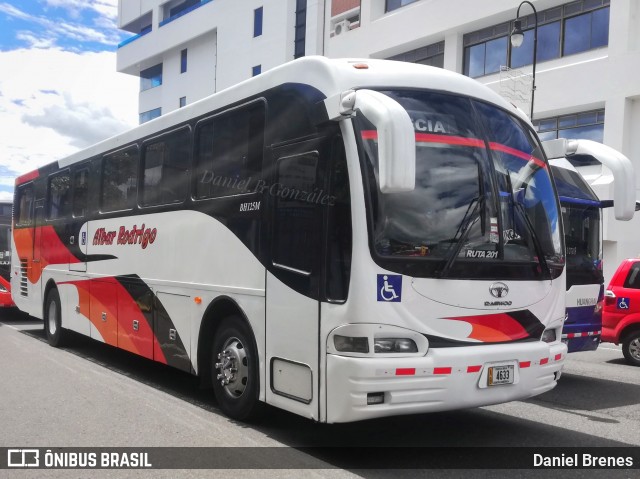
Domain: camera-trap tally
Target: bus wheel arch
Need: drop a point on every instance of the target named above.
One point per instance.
(220, 308)
(52, 315)
(226, 328)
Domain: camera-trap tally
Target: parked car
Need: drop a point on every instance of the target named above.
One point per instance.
(621, 314)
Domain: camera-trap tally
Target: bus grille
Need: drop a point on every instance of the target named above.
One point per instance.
(24, 290)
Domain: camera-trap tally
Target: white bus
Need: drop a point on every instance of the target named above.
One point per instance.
(341, 239)
(583, 229)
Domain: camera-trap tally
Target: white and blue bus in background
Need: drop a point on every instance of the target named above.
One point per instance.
(583, 230)
(342, 239)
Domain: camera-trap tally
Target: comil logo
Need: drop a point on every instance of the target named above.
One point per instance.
(23, 458)
(499, 290)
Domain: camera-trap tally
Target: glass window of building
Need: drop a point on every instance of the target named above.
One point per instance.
(587, 125)
(432, 55)
(300, 29)
(391, 5)
(257, 22)
(256, 70)
(564, 30)
(183, 61)
(149, 115)
(151, 77)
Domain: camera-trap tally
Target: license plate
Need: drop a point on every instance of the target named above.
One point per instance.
(500, 375)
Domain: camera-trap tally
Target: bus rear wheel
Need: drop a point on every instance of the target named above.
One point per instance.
(235, 369)
(631, 348)
(53, 320)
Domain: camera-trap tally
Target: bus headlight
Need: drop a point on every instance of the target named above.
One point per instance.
(348, 344)
(394, 345)
(376, 340)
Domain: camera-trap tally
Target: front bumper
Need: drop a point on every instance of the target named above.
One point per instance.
(444, 379)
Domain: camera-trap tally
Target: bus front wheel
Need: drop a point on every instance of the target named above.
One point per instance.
(53, 320)
(235, 369)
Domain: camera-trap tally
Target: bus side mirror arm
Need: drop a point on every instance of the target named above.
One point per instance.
(396, 136)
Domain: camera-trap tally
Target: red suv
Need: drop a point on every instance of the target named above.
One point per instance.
(621, 314)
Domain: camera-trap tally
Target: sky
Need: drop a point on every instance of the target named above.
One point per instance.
(59, 89)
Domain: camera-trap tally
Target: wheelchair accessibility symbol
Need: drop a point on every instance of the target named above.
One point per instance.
(390, 288)
(623, 303)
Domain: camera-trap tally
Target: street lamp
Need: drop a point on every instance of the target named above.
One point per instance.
(517, 37)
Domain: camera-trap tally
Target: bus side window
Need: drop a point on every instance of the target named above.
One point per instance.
(229, 151)
(166, 166)
(119, 180)
(59, 196)
(338, 228)
(24, 214)
(80, 192)
(295, 235)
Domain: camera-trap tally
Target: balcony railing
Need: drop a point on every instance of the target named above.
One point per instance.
(133, 38)
(164, 22)
(183, 12)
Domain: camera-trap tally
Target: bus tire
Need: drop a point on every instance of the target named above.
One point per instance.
(631, 348)
(53, 319)
(235, 369)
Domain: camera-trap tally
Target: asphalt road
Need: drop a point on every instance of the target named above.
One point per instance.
(92, 395)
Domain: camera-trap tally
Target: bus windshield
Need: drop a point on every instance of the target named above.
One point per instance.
(483, 205)
(581, 217)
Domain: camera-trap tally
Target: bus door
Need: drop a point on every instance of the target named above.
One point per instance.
(293, 190)
(79, 239)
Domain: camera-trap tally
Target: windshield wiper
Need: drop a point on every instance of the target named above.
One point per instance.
(537, 246)
(466, 224)
(468, 220)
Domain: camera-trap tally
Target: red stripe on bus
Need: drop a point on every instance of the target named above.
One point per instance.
(462, 141)
(544, 361)
(441, 370)
(525, 364)
(449, 140)
(474, 369)
(405, 371)
(517, 153)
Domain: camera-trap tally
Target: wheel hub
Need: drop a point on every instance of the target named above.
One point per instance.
(232, 367)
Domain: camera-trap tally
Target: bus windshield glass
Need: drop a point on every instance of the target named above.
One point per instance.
(484, 204)
(581, 217)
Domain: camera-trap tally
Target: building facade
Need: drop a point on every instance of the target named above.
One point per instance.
(586, 76)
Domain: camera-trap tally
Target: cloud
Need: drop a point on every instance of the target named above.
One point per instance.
(54, 102)
(60, 29)
(83, 123)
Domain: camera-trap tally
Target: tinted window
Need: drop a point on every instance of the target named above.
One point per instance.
(294, 229)
(229, 151)
(119, 180)
(339, 229)
(166, 167)
(257, 22)
(151, 77)
(586, 32)
(24, 215)
(59, 196)
(80, 192)
(633, 278)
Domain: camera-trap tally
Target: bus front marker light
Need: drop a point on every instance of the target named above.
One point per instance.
(348, 344)
(394, 345)
(375, 398)
(549, 336)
